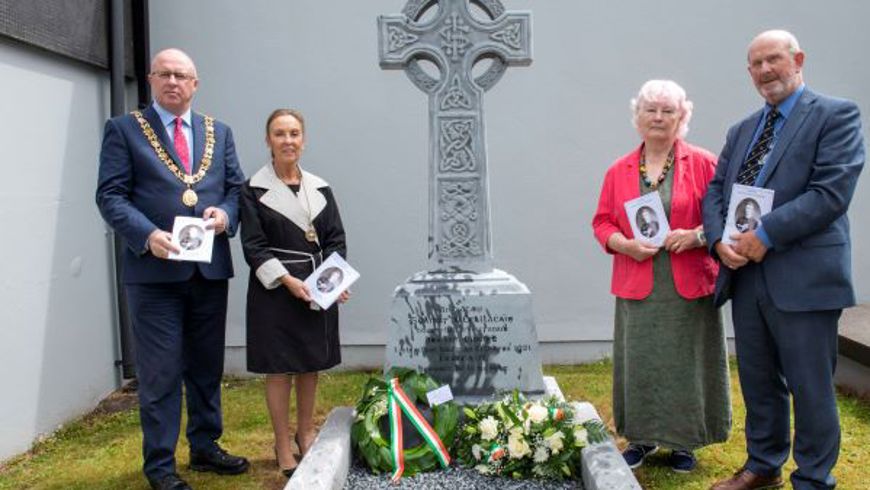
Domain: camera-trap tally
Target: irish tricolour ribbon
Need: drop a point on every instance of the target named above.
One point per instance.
(397, 403)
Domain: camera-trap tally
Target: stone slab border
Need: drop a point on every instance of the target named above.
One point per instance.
(328, 462)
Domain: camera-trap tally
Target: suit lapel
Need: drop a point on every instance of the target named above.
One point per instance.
(786, 135)
(153, 119)
(198, 122)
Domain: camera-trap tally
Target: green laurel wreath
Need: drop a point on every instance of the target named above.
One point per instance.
(374, 448)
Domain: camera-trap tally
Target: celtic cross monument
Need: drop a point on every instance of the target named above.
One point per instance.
(463, 322)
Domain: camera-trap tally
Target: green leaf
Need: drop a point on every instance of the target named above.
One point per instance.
(509, 414)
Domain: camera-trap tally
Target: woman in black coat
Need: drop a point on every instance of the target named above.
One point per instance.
(290, 223)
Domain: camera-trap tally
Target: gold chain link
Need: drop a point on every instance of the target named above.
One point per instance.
(204, 165)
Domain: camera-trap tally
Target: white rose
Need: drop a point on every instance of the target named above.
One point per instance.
(541, 454)
(554, 442)
(538, 413)
(581, 437)
(518, 447)
(483, 469)
(488, 428)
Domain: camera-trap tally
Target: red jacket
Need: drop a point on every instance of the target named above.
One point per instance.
(694, 271)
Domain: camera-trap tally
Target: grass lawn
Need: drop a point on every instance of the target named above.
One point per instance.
(104, 451)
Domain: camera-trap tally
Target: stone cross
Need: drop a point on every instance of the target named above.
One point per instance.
(454, 40)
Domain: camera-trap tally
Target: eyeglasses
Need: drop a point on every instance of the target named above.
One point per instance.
(180, 76)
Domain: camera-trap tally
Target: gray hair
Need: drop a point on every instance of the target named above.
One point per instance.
(669, 90)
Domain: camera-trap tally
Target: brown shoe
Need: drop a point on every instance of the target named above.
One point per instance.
(747, 480)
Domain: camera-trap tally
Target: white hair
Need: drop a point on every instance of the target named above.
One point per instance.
(664, 90)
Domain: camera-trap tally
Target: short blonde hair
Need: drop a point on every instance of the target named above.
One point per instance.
(669, 90)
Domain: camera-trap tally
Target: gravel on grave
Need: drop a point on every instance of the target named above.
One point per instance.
(359, 478)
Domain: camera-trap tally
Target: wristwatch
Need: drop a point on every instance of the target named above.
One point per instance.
(702, 238)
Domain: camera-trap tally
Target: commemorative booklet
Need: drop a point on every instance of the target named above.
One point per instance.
(328, 281)
(193, 237)
(647, 218)
(745, 209)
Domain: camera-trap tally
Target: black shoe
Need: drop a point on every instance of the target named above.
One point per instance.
(218, 461)
(683, 461)
(634, 454)
(169, 482)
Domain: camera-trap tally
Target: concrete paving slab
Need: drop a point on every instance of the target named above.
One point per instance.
(326, 465)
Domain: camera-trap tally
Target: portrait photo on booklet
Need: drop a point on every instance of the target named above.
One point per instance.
(328, 281)
(745, 209)
(193, 237)
(647, 218)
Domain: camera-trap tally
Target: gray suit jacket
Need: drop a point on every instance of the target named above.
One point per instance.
(813, 170)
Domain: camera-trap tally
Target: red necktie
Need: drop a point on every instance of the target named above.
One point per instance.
(181, 147)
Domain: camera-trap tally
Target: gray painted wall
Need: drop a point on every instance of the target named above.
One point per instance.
(553, 128)
(56, 327)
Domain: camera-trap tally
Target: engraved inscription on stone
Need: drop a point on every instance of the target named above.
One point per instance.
(479, 344)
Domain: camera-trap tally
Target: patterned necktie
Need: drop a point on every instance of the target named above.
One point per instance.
(181, 147)
(752, 166)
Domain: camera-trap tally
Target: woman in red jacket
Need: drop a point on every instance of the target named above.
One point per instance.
(670, 370)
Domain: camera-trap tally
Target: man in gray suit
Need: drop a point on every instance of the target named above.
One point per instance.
(790, 278)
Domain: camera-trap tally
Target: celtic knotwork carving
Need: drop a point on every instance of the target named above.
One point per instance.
(455, 145)
(415, 8)
(398, 38)
(420, 78)
(454, 37)
(492, 75)
(493, 7)
(455, 97)
(459, 225)
(511, 36)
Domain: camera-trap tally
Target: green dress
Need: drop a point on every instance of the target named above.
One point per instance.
(670, 370)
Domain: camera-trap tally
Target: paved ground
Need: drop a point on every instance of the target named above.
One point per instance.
(855, 334)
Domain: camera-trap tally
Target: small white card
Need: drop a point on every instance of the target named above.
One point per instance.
(331, 279)
(745, 209)
(193, 237)
(439, 395)
(647, 218)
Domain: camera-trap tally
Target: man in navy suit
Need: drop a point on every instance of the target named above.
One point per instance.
(790, 278)
(164, 162)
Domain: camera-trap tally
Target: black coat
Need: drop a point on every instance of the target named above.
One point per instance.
(284, 335)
